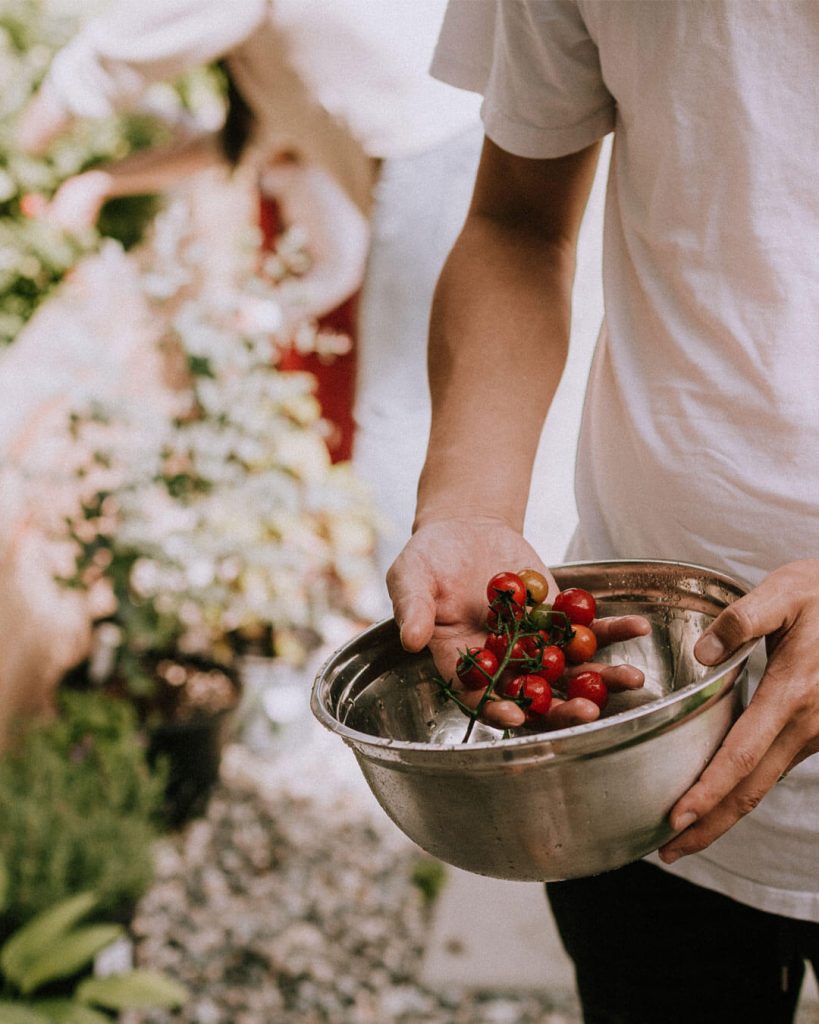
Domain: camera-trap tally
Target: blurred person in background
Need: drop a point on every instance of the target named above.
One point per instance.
(700, 437)
(351, 138)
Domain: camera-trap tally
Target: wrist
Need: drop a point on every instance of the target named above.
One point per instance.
(459, 513)
(454, 486)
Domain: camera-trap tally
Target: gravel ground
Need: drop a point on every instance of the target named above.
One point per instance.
(293, 902)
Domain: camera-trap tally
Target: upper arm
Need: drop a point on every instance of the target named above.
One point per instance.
(544, 198)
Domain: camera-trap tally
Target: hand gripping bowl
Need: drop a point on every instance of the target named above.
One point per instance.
(555, 805)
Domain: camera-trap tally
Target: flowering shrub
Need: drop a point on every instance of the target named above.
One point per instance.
(34, 254)
(223, 528)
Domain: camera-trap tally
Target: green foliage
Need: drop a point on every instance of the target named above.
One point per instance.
(39, 933)
(127, 218)
(132, 991)
(54, 946)
(78, 810)
(428, 875)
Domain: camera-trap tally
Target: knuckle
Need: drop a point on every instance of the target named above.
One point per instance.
(748, 801)
(738, 621)
(742, 759)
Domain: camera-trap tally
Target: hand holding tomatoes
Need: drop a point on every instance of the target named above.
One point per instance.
(438, 588)
(524, 656)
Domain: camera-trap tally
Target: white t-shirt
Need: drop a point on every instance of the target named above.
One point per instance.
(305, 67)
(700, 435)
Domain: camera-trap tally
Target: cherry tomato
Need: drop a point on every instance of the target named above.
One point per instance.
(535, 689)
(497, 617)
(520, 651)
(531, 645)
(582, 645)
(503, 583)
(537, 586)
(497, 644)
(579, 605)
(476, 669)
(540, 615)
(589, 685)
(552, 663)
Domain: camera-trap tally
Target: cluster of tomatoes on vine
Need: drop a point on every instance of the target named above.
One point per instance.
(529, 645)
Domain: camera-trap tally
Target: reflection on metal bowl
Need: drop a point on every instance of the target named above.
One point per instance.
(555, 805)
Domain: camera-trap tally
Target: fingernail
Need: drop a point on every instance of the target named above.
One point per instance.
(709, 649)
(669, 856)
(683, 821)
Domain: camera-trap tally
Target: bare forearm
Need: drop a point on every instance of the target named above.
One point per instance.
(498, 342)
(154, 170)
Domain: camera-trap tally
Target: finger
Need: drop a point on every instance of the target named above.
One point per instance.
(412, 591)
(616, 628)
(416, 621)
(502, 714)
(565, 713)
(765, 610)
(807, 751)
(616, 677)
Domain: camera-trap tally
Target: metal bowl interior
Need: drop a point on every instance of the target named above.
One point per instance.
(372, 692)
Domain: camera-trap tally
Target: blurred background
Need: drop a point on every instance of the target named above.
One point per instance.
(214, 284)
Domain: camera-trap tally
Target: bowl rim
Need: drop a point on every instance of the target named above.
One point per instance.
(520, 745)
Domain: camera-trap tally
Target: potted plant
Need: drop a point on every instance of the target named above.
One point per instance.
(45, 965)
(79, 809)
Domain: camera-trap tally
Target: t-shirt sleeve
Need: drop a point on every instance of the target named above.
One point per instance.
(537, 67)
(113, 59)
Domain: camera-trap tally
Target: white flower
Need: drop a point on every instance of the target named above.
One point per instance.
(258, 315)
(200, 572)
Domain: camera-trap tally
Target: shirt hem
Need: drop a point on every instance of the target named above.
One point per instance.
(545, 143)
(450, 70)
(803, 906)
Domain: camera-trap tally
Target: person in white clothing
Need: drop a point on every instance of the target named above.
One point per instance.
(346, 87)
(699, 443)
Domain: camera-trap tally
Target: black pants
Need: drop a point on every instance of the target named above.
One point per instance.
(649, 948)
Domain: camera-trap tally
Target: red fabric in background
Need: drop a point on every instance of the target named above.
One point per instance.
(335, 374)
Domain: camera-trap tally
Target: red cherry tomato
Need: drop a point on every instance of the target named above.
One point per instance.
(537, 586)
(589, 685)
(531, 645)
(497, 644)
(535, 689)
(496, 618)
(519, 652)
(506, 583)
(552, 663)
(579, 605)
(582, 645)
(476, 670)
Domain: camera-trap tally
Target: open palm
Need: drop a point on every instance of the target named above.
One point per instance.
(438, 589)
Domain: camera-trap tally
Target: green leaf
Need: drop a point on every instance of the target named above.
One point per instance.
(30, 941)
(68, 954)
(18, 1013)
(133, 991)
(69, 1011)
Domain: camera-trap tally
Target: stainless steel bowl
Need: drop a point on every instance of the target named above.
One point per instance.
(553, 805)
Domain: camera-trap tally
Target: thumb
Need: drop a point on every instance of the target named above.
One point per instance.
(762, 611)
(411, 589)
